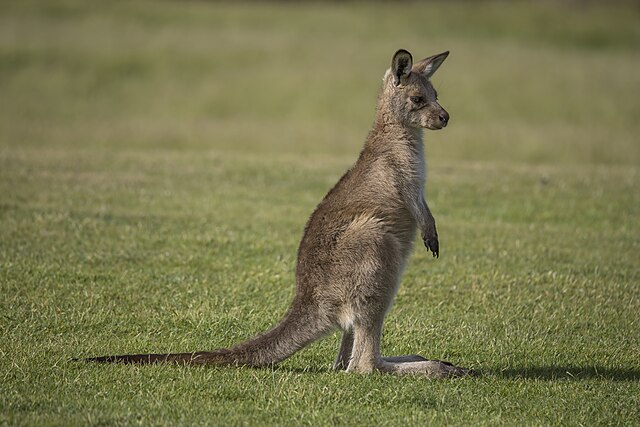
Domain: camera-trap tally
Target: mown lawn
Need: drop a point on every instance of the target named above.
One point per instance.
(158, 161)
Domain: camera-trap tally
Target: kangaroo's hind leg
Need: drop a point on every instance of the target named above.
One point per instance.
(365, 355)
(344, 354)
(366, 358)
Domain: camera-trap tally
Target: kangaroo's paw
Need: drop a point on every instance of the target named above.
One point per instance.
(431, 243)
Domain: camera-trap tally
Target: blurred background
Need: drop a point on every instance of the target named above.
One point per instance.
(541, 82)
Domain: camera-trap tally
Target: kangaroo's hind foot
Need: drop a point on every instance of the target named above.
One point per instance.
(418, 365)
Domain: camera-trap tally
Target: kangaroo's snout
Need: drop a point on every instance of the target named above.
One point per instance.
(444, 118)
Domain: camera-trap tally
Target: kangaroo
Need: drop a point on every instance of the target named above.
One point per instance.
(356, 243)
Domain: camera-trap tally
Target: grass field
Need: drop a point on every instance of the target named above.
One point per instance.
(158, 161)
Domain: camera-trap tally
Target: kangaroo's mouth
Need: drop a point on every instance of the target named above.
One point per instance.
(436, 126)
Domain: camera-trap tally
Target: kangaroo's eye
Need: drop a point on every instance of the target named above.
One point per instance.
(416, 99)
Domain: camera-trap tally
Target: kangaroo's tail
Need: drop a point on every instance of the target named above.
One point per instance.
(295, 331)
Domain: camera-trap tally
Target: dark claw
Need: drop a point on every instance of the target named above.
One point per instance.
(432, 245)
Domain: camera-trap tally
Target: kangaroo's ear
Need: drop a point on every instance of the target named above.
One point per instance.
(428, 66)
(401, 65)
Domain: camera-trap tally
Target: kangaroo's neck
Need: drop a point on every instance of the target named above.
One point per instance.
(401, 145)
(389, 131)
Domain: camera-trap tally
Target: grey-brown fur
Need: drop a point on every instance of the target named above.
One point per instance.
(357, 242)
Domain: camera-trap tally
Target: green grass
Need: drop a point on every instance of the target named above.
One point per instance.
(158, 161)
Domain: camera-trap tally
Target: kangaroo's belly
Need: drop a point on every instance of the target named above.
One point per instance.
(358, 270)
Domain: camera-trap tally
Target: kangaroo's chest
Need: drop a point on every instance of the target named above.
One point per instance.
(411, 172)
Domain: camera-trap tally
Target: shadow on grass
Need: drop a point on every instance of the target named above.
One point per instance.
(569, 373)
(548, 373)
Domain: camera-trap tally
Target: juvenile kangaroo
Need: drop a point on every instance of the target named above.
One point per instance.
(357, 242)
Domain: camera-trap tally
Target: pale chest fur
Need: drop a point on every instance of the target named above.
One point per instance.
(412, 164)
(420, 167)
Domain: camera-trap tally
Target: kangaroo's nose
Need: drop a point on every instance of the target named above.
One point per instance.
(444, 117)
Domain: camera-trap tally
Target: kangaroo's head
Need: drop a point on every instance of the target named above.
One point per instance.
(408, 95)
